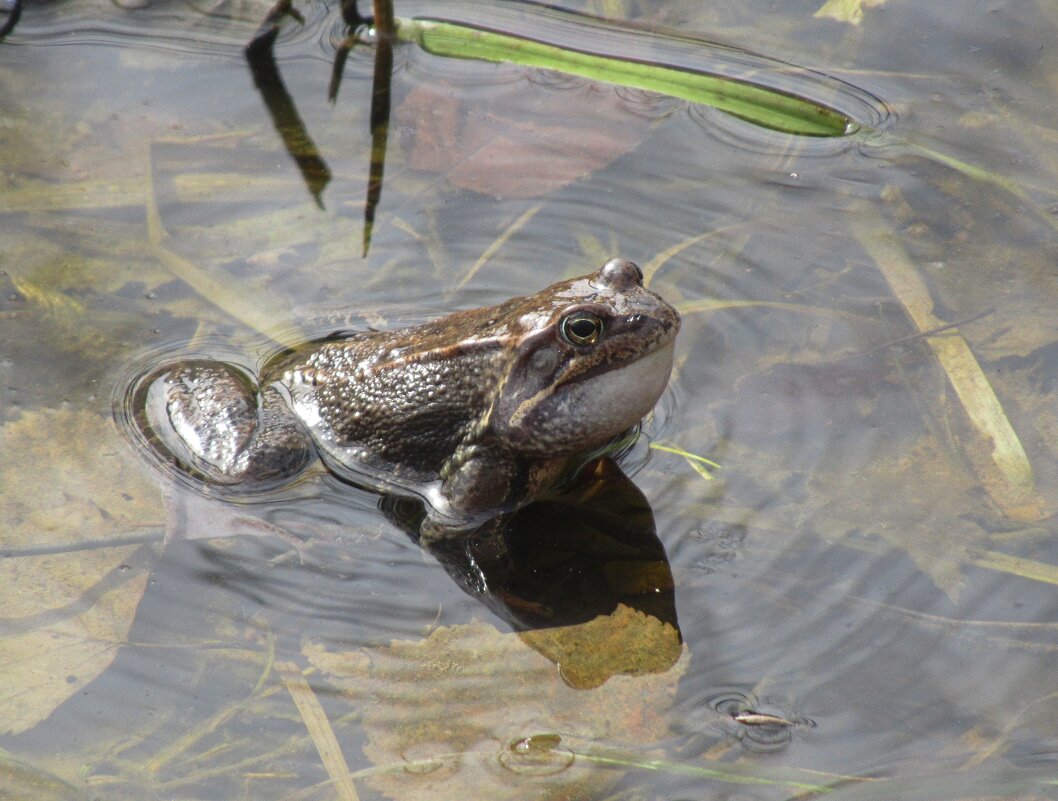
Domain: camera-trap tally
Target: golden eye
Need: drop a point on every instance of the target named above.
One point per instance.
(581, 328)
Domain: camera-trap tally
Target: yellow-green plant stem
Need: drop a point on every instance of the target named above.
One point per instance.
(761, 105)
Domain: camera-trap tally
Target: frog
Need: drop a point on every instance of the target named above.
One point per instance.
(476, 413)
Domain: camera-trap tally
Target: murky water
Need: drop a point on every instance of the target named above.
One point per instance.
(864, 590)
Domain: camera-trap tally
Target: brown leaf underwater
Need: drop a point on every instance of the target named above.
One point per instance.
(70, 487)
(445, 712)
(508, 144)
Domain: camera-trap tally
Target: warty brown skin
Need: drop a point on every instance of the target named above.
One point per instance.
(477, 412)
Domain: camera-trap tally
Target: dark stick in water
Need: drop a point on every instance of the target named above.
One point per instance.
(14, 11)
(380, 108)
(281, 108)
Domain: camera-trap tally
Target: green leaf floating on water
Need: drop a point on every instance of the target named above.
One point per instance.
(761, 105)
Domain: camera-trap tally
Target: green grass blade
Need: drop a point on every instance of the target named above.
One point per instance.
(766, 107)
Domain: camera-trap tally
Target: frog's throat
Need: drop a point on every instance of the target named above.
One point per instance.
(614, 399)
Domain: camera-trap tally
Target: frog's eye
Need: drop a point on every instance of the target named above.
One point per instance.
(581, 328)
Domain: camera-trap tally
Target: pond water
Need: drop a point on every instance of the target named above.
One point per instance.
(860, 598)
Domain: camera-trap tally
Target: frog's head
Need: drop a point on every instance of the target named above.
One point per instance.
(590, 357)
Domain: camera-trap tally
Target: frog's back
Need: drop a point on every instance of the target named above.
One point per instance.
(371, 405)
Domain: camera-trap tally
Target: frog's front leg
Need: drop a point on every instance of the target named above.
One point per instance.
(482, 480)
(217, 424)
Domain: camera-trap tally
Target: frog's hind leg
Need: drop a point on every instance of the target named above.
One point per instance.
(215, 423)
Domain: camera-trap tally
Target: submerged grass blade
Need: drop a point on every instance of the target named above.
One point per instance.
(793, 779)
(672, 251)
(709, 305)
(761, 105)
(319, 728)
(1009, 481)
(998, 561)
(699, 464)
(498, 243)
(800, 780)
(1017, 566)
(260, 313)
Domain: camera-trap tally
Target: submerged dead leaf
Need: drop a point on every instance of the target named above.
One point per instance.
(449, 708)
(68, 480)
(71, 491)
(521, 142)
(24, 781)
(927, 523)
(64, 322)
(850, 11)
(627, 642)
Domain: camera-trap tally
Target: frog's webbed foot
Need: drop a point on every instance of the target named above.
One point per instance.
(214, 421)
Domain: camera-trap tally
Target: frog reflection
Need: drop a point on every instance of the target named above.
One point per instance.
(579, 574)
(564, 559)
(477, 413)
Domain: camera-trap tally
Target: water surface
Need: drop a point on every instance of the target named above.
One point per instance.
(865, 565)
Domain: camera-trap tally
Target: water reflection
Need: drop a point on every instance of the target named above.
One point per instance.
(579, 554)
(284, 113)
(856, 569)
(445, 702)
(571, 558)
(10, 12)
(510, 164)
